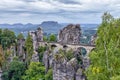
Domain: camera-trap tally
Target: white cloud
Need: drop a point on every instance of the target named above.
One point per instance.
(62, 10)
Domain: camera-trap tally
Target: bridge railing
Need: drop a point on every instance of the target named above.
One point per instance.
(67, 43)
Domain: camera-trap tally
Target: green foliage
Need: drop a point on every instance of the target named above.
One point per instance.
(45, 38)
(115, 78)
(69, 54)
(15, 71)
(49, 75)
(29, 48)
(15, 58)
(7, 38)
(52, 37)
(41, 50)
(20, 36)
(2, 58)
(105, 59)
(64, 55)
(36, 71)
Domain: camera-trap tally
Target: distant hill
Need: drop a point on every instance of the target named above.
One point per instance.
(50, 24)
(17, 25)
(47, 26)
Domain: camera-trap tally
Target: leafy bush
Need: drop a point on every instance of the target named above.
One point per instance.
(7, 38)
(41, 50)
(20, 36)
(52, 37)
(15, 71)
(36, 71)
(45, 38)
(49, 75)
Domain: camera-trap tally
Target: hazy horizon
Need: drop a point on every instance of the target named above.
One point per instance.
(46, 21)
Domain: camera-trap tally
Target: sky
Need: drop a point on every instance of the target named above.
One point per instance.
(63, 11)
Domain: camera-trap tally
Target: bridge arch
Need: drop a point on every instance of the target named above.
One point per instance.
(53, 45)
(82, 50)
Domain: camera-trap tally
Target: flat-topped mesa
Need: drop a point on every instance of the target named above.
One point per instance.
(70, 34)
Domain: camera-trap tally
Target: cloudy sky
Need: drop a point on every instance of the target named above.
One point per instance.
(70, 11)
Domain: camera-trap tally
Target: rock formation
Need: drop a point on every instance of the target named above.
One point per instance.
(35, 57)
(70, 34)
(64, 69)
(37, 36)
(20, 49)
(0, 74)
(93, 38)
(46, 60)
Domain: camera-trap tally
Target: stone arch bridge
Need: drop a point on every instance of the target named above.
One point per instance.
(88, 48)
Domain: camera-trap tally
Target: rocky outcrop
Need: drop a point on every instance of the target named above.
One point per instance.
(86, 62)
(35, 57)
(93, 38)
(37, 36)
(72, 69)
(20, 49)
(70, 34)
(46, 60)
(0, 74)
(80, 75)
(63, 70)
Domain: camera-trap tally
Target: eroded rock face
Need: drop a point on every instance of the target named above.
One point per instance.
(20, 50)
(93, 38)
(59, 69)
(46, 60)
(86, 62)
(72, 69)
(37, 36)
(79, 74)
(70, 34)
(0, 74)
(35, 57)
(63, 70)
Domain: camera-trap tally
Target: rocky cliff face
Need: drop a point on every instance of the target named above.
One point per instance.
(64, 69)
(93, 38)
(0, 74)
(20, 49)
(70, 34)
(37, 36)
